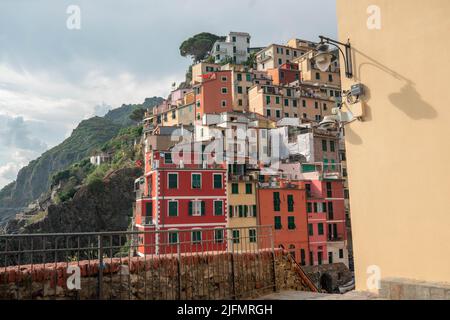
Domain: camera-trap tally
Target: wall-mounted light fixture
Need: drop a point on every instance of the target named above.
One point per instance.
(324, 57)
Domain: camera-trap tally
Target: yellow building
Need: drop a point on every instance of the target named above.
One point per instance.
(202, 68)
(242, 211)
(396, 157)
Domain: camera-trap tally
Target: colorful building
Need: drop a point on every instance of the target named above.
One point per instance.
(181, 198)
(283, 205)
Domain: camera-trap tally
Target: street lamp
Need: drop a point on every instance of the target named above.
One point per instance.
(324, 57)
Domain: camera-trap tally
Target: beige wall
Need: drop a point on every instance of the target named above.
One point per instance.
(397, 158)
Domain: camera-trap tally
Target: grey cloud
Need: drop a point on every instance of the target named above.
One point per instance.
(15, 132)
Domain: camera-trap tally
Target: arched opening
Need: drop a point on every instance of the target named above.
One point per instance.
(326, 282)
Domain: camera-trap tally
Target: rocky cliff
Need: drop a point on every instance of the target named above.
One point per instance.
(104, 206)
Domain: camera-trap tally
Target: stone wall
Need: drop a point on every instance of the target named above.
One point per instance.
(338, 273)
(191, 277)
(407, 289)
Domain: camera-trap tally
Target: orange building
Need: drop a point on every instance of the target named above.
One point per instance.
(285, 74)
(284, 207)
(214, 93)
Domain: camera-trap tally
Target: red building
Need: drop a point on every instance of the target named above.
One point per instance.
(326, 221)
(214, 94)
(284, 207)
(285, 74)
(183, 199)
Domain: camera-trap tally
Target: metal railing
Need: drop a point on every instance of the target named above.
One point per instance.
(213, 263)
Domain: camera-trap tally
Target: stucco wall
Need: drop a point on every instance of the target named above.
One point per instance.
(397, 156)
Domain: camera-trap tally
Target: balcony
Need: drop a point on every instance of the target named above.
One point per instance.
(264, 58)
(147, 221)
(335, 238)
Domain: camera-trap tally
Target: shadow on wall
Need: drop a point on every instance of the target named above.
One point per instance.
(408, 100)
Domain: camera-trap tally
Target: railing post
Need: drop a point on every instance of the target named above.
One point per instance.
(179, 269)
(100, 266)
(275, 287)
(233, 274)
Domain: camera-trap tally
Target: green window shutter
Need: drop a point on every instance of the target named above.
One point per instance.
(320, 228)
(254, 210)
(325, 164)
(245, 211)
(241, 211)
(218, 208)
(324, 207)
(277, 221)
(236, 236)
(315, 206)
(148, 209)
(234, 188)
(173, 209)
(309, 207)
(196, 181)
(239, 77)
(267, 99)
(248, 77)
(217, 181)
(276, 201)
(290, 199)
(173, 181)
(248, 188)
(310, 229)
(291, 223)
(333, 164)
(277, 100)
(190, 208)
(332, 146)
(203, 211)
(218, 236)
(230, 211)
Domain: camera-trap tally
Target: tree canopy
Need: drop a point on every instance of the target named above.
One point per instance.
(198, 46)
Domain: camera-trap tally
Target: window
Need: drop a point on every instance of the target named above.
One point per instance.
(286, 102)
(196, 208)
(196, 181)
(218, 207)
(224, 103)
(329, 190)
(234, 39)
(217, 181)
(286, 115)
(224, 90)
(218, 235)
(173, 180)
(309, 207)
(330, 257)
(240, 102)
(311, 258)
(317, 76)
(268, 112)
(277, 222)
(280, 61)
(330, 78)
(276, 201)
(254, 210)
(235, 188)
(325, 107)
(290, 199)
(302, 257)
(224, 78)
(248, 77)
(248, 188)
(304, 103)
(173, 208)
(196, 236)
(252, 235)
(198, 104)
(332, 149)
(316, 105)
(341, 253)
(230, 211)
(315, 206)
(330, 211)
(236, 236)
(267, 99)
(239, 77)
(320, 228)
(239, 89)
(324, 145)
(310, 229)
(277, 100)
(287, 51)
(278, 113)
(319, 258)
(288, 92)
(168, 158)
(294, 103)
(291, 223)
(173, 237)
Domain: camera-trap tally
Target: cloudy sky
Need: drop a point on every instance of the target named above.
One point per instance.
(52, 77)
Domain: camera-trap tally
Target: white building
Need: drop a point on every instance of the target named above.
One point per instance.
(235, 47)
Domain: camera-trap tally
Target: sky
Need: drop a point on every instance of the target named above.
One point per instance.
(52, 77)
